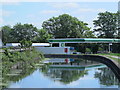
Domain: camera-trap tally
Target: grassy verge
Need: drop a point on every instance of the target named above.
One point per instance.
(113, 56)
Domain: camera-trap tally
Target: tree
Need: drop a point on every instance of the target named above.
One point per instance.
(106, 25)
(42, 36)
(118, 18)
(6, 36)
(25, 31)
(66, 26)
(94, 48)
(25, 44)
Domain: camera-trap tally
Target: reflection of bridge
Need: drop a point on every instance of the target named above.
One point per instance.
(111, 64)
(75, 66)
(70, 63)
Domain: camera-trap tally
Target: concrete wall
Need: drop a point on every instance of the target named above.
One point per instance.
(54, 50)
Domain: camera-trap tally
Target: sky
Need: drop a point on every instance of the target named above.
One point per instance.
(37, 12)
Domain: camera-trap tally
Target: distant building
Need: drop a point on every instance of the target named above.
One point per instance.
(12, 44)
(33, 44)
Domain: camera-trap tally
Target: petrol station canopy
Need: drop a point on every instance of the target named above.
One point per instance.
(85, 40)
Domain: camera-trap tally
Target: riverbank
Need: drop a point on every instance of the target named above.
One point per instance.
(22, 61)
(113, 56)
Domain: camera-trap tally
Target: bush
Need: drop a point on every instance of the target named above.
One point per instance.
(25, 44)
(88, 50)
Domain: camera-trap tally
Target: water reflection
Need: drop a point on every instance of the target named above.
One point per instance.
(69, 70)
(62, 72)
(70, 63)
(14, 75)
(64, 75)
(106, 77)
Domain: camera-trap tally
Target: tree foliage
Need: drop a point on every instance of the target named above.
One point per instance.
(118, 18)
(66, 26)
(6, 34)
(42, 36)
(25, 44)
(106, 25)
(25, 31)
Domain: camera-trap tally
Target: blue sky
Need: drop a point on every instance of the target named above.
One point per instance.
(37, 12)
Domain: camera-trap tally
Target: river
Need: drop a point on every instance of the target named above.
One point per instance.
(64, 73)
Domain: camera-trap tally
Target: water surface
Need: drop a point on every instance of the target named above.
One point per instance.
(66, 73)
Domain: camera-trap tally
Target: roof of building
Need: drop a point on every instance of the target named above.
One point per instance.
(84, 40)
(40, 44)
(33, 44)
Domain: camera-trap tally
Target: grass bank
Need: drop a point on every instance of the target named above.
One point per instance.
(113, 56)
(25, 61)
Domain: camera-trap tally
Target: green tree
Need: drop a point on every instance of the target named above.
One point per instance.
(6, 36)
(25, 31)
(118, 18)
(106, 25)
(25, 44)
(66, 26)
(94, 47)
(42, 36)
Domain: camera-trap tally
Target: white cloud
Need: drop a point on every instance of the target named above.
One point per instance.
(65, 5)
(88, 10)
(101, 10)
(5, 13)
(10, 3)
(50, 12)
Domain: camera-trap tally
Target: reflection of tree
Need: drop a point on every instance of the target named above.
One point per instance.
(64, 75)
(8, 76)
(106, 77)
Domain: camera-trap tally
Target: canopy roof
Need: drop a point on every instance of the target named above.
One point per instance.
(84, 40)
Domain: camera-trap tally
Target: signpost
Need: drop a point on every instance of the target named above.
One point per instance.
(61, 44)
